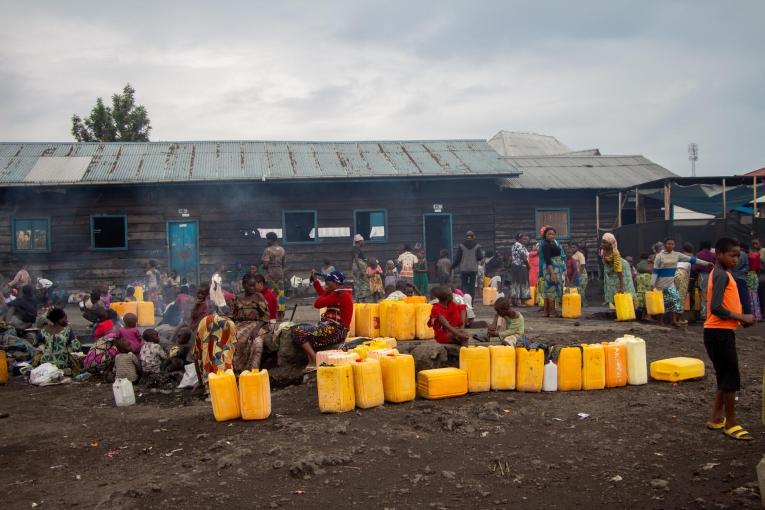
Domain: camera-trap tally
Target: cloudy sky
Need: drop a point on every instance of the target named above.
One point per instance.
(626, 77)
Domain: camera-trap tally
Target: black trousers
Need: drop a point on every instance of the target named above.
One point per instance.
(468, 283)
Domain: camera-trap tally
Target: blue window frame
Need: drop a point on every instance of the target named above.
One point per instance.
(372, 224)
(557, 217)
(31, 235)
(108, 232)
(300, 227)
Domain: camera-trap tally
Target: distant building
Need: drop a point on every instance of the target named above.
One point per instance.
(87, 213)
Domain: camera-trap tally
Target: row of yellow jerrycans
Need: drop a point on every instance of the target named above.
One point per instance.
(397, 319)
(249, 399)
(144, 310)
(585, 367)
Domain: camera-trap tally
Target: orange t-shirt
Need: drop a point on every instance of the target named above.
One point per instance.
(730, 300)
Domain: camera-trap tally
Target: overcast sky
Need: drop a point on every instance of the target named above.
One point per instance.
(626, 77)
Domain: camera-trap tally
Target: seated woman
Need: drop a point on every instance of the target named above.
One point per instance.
(22, 311)
(250, 312)
(333, 326)
(59, 341)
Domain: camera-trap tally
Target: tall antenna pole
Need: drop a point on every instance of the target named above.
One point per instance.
(693, 155)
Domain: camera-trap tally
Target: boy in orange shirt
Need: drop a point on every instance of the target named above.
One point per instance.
(724, 307)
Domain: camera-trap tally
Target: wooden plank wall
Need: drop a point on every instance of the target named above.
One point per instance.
(226, 211)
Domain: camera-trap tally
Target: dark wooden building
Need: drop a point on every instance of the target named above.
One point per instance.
(82, 214)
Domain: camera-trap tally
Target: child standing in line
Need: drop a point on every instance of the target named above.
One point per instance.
(725, 314)
(126, 364)
(421, 281)
(374, 273)
(391, 274)
(444, 268)
(508, 324)
(130, 294)
(131, 333)
(152, 354)
(446, 317)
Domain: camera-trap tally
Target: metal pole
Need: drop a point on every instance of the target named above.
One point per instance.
(754, 204)
(619, 211)
(597, 216)
(637, 206)
(725, 201)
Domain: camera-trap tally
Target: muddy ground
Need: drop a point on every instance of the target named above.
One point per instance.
(641, 447)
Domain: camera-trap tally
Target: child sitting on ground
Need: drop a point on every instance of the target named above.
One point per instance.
(508, 323)
(152, 354)
(126, 364)
(446, 317)
(402, 291)
(106, 321)
(182, 353)
(131, 333)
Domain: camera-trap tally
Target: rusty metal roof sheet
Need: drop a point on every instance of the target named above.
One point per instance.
(156, 162)
(583, 172)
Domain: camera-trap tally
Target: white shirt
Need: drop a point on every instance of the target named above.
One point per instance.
(407, 261)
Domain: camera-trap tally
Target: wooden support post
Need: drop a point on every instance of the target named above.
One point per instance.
(666, 202)
(619, 211)
(725, 201)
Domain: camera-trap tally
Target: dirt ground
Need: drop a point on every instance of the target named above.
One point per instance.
(641, 446)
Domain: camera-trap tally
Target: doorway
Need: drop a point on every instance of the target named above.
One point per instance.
(437, 234)
(183, 249)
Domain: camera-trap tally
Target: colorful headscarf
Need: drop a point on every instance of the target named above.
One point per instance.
(335, 276)
(610, 239)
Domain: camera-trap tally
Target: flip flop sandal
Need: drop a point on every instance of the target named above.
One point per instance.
(716, 426)
(738, 432)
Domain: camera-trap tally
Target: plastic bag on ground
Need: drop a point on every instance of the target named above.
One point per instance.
(47, 373)
(189, 377)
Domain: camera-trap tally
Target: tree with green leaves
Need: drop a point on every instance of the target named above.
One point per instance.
(123, 122)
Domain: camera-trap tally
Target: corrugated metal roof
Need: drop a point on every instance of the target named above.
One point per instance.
(513, 143)
(584, 172)
(152, 162)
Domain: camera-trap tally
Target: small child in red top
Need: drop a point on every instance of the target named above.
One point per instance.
(446, 317)
(131, 333)
(105, 325)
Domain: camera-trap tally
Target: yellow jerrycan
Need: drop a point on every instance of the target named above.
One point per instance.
(422, 316)
(625, 308)
(145, 314)
(254, 395)
(502, 367)
(654, 302)
(570, 369)
(335, 387)
(368, 320)
(398, 377)
(489, 296)
(529, 371)
(476, 361)
(138, 293)
(368, 384)
(572, 305)
(3, 368)
(439, 383)
(593, 367)
(224, 395)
